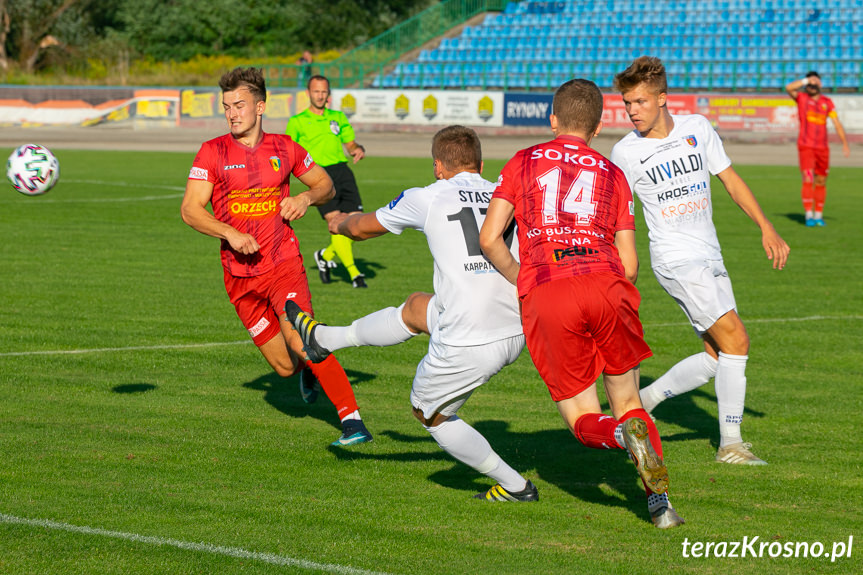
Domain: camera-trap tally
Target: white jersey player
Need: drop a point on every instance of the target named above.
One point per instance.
(668, 161)
(473, 316)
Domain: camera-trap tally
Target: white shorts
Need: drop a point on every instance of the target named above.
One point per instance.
(702, 289)
(448, 374)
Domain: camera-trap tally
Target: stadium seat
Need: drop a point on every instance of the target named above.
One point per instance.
(542, 42)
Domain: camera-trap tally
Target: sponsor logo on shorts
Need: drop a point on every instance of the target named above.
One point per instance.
(259, 327)
(198, 173)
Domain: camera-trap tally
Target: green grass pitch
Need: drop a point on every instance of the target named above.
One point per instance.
(141, 433)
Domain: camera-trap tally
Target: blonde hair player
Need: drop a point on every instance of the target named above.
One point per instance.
(668, 160)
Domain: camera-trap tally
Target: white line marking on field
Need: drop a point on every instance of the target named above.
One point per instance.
(124, 184)
(189, 546)
(67, 200)
(770, 320)
(248, 341)
(131, 348)
(108, 200)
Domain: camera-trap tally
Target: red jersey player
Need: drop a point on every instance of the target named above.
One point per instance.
(813, 109)
(245, 175)
(578, 264)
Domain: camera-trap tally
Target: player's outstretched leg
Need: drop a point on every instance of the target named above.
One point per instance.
(305, 326)
(686, 375)
(649, 463)
(467, 445)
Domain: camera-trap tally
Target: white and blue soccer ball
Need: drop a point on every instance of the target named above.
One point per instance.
(32, 169)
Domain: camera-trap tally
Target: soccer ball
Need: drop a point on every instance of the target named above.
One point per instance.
(32, 169)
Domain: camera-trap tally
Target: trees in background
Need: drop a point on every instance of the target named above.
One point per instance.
(68, 34)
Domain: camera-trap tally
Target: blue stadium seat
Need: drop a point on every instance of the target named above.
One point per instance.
(752, 44)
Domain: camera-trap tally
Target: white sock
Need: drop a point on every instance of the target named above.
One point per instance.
(730, 396)
(819, 215)
(618, 436)
(381, 328)
(686, 375)
(810, 214)
(352, 415)
(468, 445)
(658, 501)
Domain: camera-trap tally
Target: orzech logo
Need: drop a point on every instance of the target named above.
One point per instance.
(691, 141)
(276, 162)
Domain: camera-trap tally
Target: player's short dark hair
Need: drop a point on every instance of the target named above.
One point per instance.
(457, 148)
(577, 104)
(811, 73)
(251, 78)
(647, 70)
(317, 77)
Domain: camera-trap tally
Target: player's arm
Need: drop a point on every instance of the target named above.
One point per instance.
(793, 88)
(624, 241)
(840, 131)
(358, 227)
(194, 212)
(355, 150)
(320, 192)
(497, 219)
(774, 246)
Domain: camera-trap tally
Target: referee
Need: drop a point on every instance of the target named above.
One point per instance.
(326, 134)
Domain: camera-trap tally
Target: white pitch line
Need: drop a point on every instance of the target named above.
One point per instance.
(248, 341)
(131, 348)
(770, 320)
(124, 184)
(108, 200)
(189, 546)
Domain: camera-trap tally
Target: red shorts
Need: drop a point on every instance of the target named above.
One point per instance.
(260, 300)
(581, 327)
(814, 160)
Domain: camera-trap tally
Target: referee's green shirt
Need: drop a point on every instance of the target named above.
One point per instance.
(322, 135)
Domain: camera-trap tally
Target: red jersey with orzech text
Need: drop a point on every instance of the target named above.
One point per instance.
(248, 186)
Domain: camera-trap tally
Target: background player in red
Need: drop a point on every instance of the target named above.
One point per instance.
(576, 229)
(246, 176)
(813, 109)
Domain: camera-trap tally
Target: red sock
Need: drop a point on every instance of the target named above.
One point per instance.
(651, 431)
(596, 431)
(807, 194)
(820, 196)
(335, 384)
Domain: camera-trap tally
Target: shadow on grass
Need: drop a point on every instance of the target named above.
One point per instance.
(133, 388)
(797, 218)
(596, 476)
(284, 395)
(340, 273)
(604, 477)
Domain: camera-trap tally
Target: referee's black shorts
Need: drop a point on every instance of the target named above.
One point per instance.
(347, 198)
